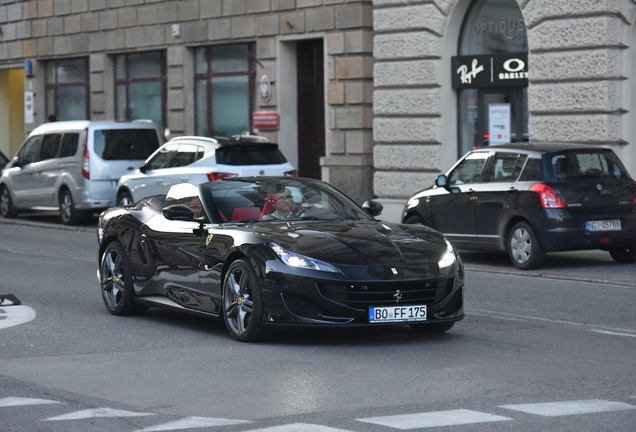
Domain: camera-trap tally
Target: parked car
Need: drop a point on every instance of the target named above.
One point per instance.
(531, 198)
(207, 250)
(3, 161)
(195, 160)
(74, 166)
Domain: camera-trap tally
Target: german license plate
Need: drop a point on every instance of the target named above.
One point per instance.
(385, 314)
(603, 225)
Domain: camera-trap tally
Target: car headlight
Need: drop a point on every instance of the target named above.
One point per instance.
(296, 260)
(449, 257)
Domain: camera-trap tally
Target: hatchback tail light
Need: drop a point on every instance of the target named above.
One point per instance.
(549, 197)
(86, 167)
(220, 175)
(292, 173)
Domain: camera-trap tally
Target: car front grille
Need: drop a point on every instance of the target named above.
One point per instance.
(362, 295)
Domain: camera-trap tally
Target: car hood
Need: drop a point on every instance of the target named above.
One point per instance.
(409, 249)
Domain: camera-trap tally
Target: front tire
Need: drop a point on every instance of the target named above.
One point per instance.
(116, 282)
(243, 302)
(524, 249)
(68, 214)
(6, 204)
(415, 220)
(624, 255)
(124, 199)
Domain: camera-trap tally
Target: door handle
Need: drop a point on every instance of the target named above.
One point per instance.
(470, 191)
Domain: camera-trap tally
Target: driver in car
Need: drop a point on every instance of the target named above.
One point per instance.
(283, 205)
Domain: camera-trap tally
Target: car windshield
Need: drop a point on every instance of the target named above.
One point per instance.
(250, 154)
(581, 164)
(270, 199)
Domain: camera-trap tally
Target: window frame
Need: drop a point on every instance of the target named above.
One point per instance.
(55, 86)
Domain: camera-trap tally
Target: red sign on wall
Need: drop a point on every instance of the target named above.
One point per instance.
(265, 120)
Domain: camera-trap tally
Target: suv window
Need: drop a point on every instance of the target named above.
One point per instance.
(187, 154)
(50, 146)
(69, 144)
(506, 167)
(242, 154)
(125, 144)
(581, 164)
(163, 158)
(30, 150)
(469, 170)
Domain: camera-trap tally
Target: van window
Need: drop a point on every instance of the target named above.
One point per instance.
(50, 146)
(29, 151)
(125, 144)
(69, 144)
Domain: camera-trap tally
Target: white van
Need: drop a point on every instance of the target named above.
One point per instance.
(74, 166)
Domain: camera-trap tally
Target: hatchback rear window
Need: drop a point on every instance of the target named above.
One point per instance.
(582, 164)
(125, 144)
(261, 154)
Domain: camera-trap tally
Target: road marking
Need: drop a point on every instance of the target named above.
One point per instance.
(555, 409)
(299, 427)
(18, 401)
(516, 317)
(97, 412)
(434, 419)
(191, 423)
(13, 315)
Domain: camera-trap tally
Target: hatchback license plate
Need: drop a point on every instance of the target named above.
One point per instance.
(397, 314)
(603, 225)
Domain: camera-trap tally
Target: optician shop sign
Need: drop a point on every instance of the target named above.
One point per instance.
(491, 70)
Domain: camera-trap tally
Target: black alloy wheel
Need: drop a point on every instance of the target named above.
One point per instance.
(432, 328)
(6, 204)
(524, 249)
(68, 214)
(116, 282)
(624, 255)
(243, 302)
(124, 199)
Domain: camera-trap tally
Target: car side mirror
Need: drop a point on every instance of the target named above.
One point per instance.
(442, 181)
(178, 212)
(374, 208)
(143, 168)
(15, 162)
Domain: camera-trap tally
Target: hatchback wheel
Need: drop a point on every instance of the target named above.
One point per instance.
(524, 248)
(124, 199)
(68, 214)
(116, 282)
(243, 302)
(6, 205)
(624, 255)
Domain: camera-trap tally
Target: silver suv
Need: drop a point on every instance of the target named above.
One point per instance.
(74, 166)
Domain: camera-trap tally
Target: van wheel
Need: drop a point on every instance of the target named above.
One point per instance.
(68, 214)
(124, 199)
(6, 205)
(524, 249)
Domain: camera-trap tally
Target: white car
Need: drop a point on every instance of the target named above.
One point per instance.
(195, 160)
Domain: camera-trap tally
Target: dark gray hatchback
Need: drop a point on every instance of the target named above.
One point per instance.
(532, 198)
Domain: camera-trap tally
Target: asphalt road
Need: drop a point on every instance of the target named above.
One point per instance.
(550, 349)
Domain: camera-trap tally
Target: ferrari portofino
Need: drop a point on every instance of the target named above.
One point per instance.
(260, 252)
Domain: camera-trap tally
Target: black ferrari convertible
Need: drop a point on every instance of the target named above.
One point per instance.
(261, 252)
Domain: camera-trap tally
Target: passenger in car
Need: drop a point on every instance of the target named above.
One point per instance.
(282, 204)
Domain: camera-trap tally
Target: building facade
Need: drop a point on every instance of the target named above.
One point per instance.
(299, 72)
(377, 97)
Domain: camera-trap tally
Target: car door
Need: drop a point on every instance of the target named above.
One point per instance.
(46, 171)
(453, 209)
(150, 178)
(180, 171)
(22, 173)
(498, 195)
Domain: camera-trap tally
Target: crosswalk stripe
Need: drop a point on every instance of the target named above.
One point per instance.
(18, 401)
(555, 409)
(434, 419)
(97, 412)
(191, 423)
(299, 427)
